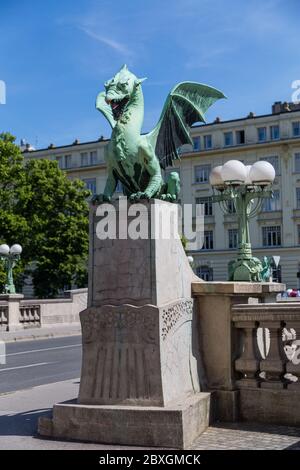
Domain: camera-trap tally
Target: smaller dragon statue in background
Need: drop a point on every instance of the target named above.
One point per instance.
(137, 160)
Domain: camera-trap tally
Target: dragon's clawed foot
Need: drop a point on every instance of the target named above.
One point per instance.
(100, 199)
(168, 197)
(139, 195)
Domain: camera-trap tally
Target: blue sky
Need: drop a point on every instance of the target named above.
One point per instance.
(55, 57)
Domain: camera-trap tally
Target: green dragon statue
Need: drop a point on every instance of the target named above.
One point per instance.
(137, 160)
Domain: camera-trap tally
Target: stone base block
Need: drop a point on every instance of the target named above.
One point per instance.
(224, 405)
(279, 407)
(175, 426)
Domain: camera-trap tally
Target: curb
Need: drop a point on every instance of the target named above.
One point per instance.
(33, 336)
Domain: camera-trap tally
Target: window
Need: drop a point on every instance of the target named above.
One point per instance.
(262, 134)
(68, 161)
(205, 273)
(271, 235)
(276, 273)
(228, 139)
(296, 129)
(90, 184)
(101, 153)
(297, 162)
(207, 203)
(233, 235)
(59, 162)
(201, 173)
(273, 203)
(119, 188)
(94, 157)
(274, 160)
(274, 132)
(208, 240)
(231, 207)
(240, 137)
(207, 141)
(196, 144)
(298, 198)
(84, 158)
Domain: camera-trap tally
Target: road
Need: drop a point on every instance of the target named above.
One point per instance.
(39, 362)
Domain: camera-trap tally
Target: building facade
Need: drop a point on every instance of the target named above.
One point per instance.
(274, 232)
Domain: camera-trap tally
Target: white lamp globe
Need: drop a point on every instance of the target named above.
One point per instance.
(248, 179)
(4, 249)
(262, 173)
(234, 171)
(16, 249)
(190, 259)
(215, 177)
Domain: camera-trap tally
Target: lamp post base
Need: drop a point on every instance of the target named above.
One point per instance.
(245, 269)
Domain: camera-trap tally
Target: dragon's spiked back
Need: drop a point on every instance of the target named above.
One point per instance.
(186, 104)
(119, 91)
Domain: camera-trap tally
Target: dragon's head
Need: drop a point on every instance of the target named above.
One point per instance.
(120, 90)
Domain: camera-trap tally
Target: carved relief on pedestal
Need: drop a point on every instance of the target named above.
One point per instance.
(124, 323)
(122, 360)
(173, 313)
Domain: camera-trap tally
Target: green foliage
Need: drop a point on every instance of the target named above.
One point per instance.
(184, 241)
(46, 213)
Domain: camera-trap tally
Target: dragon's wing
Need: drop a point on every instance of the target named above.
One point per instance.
(105, 109)
(185, 105)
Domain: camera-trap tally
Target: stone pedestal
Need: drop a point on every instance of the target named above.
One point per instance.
(139, 380)
(13, 303)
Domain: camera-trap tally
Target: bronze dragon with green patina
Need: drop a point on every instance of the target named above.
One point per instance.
(137, 160)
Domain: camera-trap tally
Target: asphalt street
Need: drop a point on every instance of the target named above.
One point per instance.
(39, 362)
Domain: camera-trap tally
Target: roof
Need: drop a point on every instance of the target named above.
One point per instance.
(195, 126)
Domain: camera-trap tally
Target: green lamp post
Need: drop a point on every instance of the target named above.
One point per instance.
(245, 187)
(10, 256)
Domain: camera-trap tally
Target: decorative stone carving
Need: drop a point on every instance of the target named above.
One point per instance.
(124, 360)
(172, 314)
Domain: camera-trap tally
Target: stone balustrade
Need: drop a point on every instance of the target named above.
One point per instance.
(269, 349)
(3, 317)
(250, 351)
(30, 315)
(18, 313)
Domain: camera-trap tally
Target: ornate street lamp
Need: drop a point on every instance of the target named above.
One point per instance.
(10, 256)
(245, 187)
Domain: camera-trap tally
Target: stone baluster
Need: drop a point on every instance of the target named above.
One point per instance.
(13, 304)
(248, 363)
(3, 317)
(274, 364)
(292, 347)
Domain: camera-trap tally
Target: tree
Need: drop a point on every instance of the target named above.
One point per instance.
(13, 225)
(48, 214)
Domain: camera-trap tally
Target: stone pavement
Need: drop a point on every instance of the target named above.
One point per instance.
(248, 436)
(41, 333)
(19, 412)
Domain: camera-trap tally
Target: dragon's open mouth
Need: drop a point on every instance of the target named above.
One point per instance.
(118, 107)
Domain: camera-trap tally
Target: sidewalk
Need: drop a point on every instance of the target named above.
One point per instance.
(19, 412)
(41, 333)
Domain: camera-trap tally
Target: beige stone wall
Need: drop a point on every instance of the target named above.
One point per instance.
(61, 310)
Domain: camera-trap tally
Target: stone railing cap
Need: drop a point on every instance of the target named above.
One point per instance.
(230, 288)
